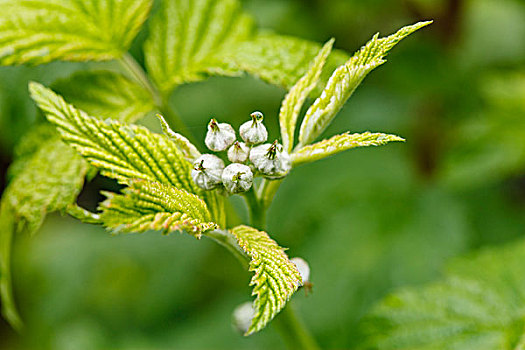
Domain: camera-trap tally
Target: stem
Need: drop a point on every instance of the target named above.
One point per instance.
(291, 329)
(229, 242)
(161, 103)
(256, 209)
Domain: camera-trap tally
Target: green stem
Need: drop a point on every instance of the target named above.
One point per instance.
(135, 70)
(229, 242)
(256, 209)
(294, 333)
(291, 329)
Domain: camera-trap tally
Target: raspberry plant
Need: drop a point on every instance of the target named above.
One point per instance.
(171, 183)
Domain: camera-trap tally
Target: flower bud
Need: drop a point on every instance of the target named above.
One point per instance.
(271, 160)
(237, 178)
(219, 136)
(303, 267)
(253, 131)
(242, 316)
(207, 171)
(238, 152)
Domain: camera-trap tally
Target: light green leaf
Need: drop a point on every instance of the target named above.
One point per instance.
(123, 152)
(293, 101)
(185, 35)
(345, 80)
(28, 145)
(215, 37)
(147, 205)
(278, 59)
(50, 180)
(341, 143)
(187, 148)
(37, 32)
(106, 94)
(276, 278)
(480, 305)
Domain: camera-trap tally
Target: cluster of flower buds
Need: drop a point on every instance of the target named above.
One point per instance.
(248, 158)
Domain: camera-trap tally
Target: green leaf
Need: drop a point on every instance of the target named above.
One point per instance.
(123, 152)
(293, 101)
(50, 180)
(37, 32)
(278, 59)
(28, 145)
(185, 35)
(276, 278)
(345, 80)
(341, 143)
(187, 148)
(147, 205)
(215, 37)
(106, 94)
(479, 305)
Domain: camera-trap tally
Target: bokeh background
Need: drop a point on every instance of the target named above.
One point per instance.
(368, 220)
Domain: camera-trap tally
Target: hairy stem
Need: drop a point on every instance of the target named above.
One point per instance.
(291, 329)
(228, 241)
(135, 70)
(295, 335)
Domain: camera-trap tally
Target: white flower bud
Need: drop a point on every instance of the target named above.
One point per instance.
(254, 131)
(219, 136)
(237, 178)
(271, 160)
(207, 171)
(303, 267)
(238, 152)
(242, 316)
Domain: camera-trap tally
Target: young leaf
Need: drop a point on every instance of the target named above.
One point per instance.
(106, 94)
(186, 34)
(276, 278)
(277, 59)
(215, 37)
(50, 180)
(121, 151)
(187, 148)
(341, 143)
(147, 205)
(293, 101)
(37, 32)
(345, 80)
(480, 305)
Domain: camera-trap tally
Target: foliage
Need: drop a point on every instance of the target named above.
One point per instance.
(38, 32)
(275, 277)
(480, 304)
(454, 186)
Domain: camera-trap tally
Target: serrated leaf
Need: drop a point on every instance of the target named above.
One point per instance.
(187, 148)
(345, 80)
(215, 37)
(106, 94)
(276, 278)
(28, 145)
(341, 143)
(37, 32)
(50, 180)
(147, 205)
(123, 152)
(294, 99)
(278, 59)
(480, 305)
(186, 34)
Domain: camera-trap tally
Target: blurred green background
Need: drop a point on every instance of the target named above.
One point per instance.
(367, 221)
